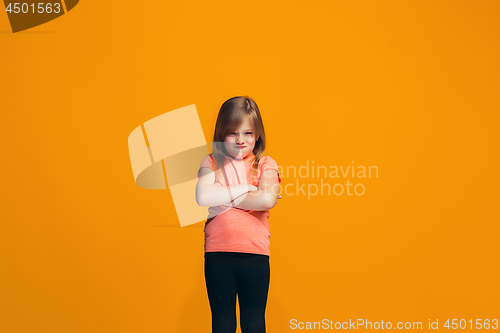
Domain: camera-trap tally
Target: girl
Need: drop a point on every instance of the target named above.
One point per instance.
(240, 186)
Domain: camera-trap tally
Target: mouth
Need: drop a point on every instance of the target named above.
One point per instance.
(240, 147)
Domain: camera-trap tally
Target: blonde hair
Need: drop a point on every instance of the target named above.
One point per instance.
(232, 114)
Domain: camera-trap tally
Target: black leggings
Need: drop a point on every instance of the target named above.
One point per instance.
(245, 274)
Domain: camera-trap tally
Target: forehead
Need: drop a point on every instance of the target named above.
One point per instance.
(245, 125)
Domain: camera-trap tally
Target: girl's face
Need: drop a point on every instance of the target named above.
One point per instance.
(241, 142)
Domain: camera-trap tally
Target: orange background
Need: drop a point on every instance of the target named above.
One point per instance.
(412, 88)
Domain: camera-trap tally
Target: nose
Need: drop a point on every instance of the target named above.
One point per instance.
(239, 139)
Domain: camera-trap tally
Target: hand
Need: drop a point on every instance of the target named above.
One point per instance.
(252, 188)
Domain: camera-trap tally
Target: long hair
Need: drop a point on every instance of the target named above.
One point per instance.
(232, 114)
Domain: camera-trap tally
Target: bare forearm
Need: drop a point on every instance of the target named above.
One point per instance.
(256, 200)
(214, 195)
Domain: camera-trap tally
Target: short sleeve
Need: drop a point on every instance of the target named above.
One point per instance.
(267, 163)
(206, 162)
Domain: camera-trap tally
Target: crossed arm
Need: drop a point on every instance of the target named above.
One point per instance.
(245, 196)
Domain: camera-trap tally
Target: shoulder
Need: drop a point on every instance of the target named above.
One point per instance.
(207, 161)
(268, 163)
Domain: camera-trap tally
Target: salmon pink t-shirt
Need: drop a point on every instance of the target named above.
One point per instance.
(235, 229)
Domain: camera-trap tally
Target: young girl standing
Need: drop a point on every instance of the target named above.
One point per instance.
(239, 185)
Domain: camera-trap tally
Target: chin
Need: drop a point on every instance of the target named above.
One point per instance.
(238, 155)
